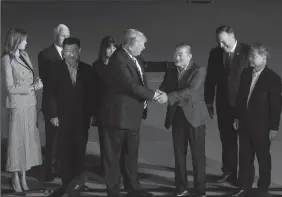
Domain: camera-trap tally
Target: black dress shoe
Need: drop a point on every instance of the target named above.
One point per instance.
(75, 187)
(228, 178)
(139, 194)
(183, 193)
(58, 192)
(85, 188)
(240, 193)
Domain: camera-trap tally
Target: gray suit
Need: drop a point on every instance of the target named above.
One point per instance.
(187, 113)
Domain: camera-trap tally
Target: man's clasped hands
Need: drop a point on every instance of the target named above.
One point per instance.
(160, 97)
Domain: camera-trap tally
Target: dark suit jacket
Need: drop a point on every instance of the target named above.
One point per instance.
(46, 58)
(188, 92)
(264, 107)
(123, 103)
(100, 72)
(222, 84)
(71, 104)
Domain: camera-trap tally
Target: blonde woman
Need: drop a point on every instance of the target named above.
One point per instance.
(24, 149)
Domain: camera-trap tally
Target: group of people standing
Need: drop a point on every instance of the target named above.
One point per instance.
(113, 94)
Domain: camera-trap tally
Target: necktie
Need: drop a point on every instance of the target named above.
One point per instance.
(141, 74)
(253, 83)
(139, 68)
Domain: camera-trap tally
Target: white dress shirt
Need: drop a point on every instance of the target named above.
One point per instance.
(59, 49)
(255, 77)
(137, 65)
(140, 72)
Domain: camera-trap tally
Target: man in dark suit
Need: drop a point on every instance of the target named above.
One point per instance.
(69, 97)
(225, 65)
(183, 88)
(46, 58)
(124, 105)
(258, 116)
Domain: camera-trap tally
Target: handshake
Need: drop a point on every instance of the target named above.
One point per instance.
(160, 97)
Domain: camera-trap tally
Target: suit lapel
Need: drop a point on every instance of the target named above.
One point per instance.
(235, 61)
(188, 73)
(259, 84)
(55, 53)
(133, 67)
(27, 64)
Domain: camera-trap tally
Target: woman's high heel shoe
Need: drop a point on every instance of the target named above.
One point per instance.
(14, 188)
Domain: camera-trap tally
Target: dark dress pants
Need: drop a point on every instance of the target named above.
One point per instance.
(183, 132)
(122, 159)
(229, 140)
(254, 143)
(72, 149)
(51, 163)
(114, 141)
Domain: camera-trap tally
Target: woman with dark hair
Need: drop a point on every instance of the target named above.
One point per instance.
(24, 149)
(107, 48)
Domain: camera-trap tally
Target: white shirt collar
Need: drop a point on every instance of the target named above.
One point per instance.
(258, 72)
(234, 47)
(128, 53)
(59, 49)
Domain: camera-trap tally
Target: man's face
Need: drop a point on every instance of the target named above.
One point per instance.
(138, 46)
(256, 60)
(71, 53)
(61, 36)
(110, 50)
(226, 41)
(181, 57)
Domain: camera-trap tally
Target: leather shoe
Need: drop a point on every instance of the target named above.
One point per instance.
(183, 193)
(58, 192)
(228, 178)
(240, 193)
(139, 194)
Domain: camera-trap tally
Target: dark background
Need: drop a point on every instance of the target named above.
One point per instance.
(165, 23)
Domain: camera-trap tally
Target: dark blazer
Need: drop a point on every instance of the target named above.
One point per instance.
(123, 103)
(219, 82)
(264, 108)
(100, 73)
(46, 58)
(71, 104)
(188, 92)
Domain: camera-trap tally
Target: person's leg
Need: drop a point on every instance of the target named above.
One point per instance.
(196, 137)
(228, 137)
(112, 142)
(262, 149)
(179, 136)
(50, 160)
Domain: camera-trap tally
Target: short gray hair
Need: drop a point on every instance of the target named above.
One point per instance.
(131, 35)
(59, 28)
(261, 48)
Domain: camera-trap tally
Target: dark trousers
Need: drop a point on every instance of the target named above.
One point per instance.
(254, 143)
(114, 140)
(228, 137)
(51, 163)
(182, 133)
(122, 159)
(72, 149)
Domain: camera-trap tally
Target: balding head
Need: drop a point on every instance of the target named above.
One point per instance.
(134, 41)
(182, 55)
(60, 33)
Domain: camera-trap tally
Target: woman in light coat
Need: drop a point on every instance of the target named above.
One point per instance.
(24, 149)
